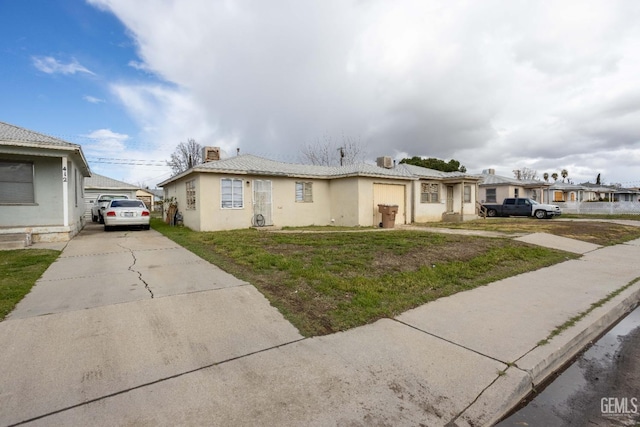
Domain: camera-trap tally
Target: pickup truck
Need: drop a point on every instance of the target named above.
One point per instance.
(522, 207)
(101, 203)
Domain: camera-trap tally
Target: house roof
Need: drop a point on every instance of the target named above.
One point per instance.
(248, 164)
(492, 179)
(11, 135)
(100, 182)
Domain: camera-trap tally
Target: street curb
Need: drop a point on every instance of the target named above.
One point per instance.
(539, 364)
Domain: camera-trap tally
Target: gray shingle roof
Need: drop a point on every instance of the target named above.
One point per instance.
(248, 164)
(10, 133)
(491, 179)
(96, 182)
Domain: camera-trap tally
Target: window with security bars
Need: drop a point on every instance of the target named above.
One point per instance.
(191, 194)
(429, 192)
(491, 195)
(16, 182)
(304, 192)
(231, 193)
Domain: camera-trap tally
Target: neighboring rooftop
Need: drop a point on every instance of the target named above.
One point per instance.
(100, 182)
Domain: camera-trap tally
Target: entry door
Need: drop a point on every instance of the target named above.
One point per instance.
(449, 198)
(262, 202)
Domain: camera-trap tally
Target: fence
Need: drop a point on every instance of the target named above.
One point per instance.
(607, 208)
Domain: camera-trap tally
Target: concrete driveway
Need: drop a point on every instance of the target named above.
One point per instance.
(119, 310)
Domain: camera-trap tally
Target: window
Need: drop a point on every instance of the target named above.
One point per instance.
(231, 194)
(516, 193)
(191, 194)
(467, 194)
(491, 195)
(429, 192)
(558, 196)
(16, 182)
(304, 192)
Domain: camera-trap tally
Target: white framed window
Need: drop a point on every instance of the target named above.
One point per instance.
(231, 193)
(467, 194)
(191, 194)
(304, 192)
(429, 192)
(16, 182)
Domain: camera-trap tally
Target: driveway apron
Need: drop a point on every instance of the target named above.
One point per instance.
(120, 310)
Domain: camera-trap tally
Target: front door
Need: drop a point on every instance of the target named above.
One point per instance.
(262, 203)
(449, 198)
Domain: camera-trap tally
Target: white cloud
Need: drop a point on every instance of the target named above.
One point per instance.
(93, 99)
(50, 65)
(491, 84)
(105, 143)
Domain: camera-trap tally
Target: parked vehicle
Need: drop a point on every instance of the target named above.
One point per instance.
(125, 212)
(101, 203)
(522, 207)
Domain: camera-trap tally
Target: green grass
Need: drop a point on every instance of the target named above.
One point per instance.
(19, 270)
(327, 282)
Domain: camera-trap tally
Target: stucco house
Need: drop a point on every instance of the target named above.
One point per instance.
(100, 184)
(41, 185)
(247, 190)
(495, 188)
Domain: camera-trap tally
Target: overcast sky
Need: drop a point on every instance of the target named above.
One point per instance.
(494, 84)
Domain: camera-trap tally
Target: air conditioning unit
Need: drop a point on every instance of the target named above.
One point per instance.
(210, 154)
(385, 162)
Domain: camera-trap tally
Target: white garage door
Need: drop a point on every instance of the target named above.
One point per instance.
(389, 194)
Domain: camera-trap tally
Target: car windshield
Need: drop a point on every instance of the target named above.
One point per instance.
(127, 204)
(533, 202)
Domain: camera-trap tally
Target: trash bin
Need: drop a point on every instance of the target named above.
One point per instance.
(388, 215)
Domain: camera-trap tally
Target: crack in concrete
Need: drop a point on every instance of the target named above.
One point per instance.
(160, 380)
(130, 268)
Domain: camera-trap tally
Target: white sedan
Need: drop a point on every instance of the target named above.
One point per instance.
(126, 212)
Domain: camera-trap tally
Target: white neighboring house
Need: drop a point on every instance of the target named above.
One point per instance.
(99, 184)
(41, 185)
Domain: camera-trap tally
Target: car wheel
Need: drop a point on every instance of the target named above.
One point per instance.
(540, 214)
(100, 219)
(146, 227)
(492, 213)
(94, 218)
(107, 228)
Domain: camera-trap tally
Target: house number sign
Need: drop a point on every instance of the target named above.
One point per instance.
(64, 174)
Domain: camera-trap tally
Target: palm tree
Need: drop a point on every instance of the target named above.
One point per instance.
(565, 174)
(554, 176)
(546, 176)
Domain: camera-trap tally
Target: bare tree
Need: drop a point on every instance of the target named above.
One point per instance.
(326, 151)
(186, 155)
(526, 174)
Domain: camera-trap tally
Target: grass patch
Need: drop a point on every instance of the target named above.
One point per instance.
(599, 233)
(329, 282)
(575, 319)
(19, 270)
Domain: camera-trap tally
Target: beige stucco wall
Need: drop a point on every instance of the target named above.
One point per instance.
(432, 212)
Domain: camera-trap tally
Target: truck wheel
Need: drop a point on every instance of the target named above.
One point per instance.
(540, 214)
(492, 213)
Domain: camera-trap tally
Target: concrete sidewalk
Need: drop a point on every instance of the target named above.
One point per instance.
(208, 349)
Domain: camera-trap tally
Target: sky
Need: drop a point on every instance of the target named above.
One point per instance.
(502, 84)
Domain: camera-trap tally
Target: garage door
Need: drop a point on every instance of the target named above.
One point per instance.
(389, 194)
